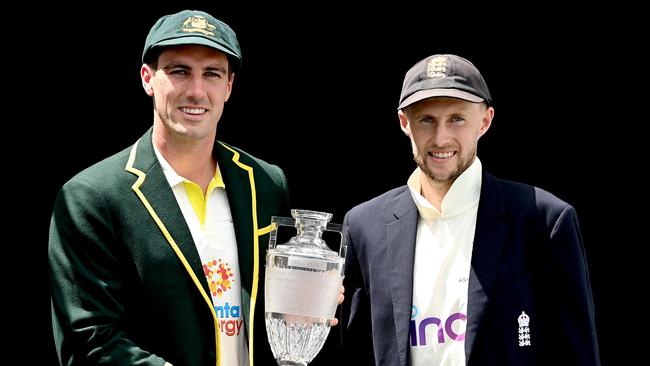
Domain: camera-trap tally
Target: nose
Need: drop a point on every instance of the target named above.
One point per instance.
(195, 88)
(441, 134)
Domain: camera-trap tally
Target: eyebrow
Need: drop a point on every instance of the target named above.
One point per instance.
(175, 65)
(178, 65)
(421, 115)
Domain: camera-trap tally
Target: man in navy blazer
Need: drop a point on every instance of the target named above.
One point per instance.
(459, 267)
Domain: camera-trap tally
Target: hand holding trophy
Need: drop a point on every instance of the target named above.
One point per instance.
(303, 279)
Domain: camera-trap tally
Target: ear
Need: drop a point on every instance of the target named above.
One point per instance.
(487, 121)
(231, 80)
(146, 75)
(404, 122)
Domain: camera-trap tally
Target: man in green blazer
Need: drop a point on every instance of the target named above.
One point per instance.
(156, 253)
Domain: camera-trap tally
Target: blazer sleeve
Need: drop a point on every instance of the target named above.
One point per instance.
(85, 283)
(574, 297)
(356, 326)
(282, 182)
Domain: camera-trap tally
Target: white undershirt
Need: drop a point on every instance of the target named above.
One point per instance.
(217, 247)
(443, 254)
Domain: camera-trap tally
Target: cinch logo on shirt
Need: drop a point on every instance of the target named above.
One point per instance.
(418, 333)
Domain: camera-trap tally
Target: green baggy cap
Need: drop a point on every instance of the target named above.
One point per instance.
(192, 27)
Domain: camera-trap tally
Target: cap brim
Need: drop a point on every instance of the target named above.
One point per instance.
(195, 40)
(431, 93)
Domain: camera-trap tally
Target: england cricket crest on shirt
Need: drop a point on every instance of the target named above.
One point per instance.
(524, 329)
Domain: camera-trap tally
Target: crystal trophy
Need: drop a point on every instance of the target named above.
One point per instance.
(303, 279)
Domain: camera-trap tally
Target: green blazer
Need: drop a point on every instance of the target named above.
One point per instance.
(126, 280)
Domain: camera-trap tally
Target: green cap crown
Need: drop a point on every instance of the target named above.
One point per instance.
(192, 27)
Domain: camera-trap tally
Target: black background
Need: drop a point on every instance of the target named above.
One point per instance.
(317, 95)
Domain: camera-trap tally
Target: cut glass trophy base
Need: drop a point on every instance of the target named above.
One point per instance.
(295, 340)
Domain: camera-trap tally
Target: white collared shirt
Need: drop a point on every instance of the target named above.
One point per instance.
(210, 222)
(443, 254)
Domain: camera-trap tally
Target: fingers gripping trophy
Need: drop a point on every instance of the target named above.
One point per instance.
(303, 278)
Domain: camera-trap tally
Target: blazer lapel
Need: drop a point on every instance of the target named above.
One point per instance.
(400, 238)
(238, 187)
(154, 191)
(489, 241)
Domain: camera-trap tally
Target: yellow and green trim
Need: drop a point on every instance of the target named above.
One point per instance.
(256, 234)
(136, 188)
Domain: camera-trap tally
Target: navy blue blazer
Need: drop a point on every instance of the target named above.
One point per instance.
(528, 255)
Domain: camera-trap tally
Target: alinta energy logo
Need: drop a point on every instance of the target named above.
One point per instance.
(219, 276)
(220, 280)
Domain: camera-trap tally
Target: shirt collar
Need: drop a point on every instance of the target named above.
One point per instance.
(463, 194)
(174, 179)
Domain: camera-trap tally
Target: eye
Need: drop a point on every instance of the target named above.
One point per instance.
(426, 120)
(213, 74)
(457, 119)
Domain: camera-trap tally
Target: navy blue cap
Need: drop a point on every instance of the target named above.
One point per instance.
(444, 76)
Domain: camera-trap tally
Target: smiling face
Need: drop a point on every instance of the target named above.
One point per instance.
(444, 133)
(190, 87)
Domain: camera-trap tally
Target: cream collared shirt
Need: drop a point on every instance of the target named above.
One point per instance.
(443, 254)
